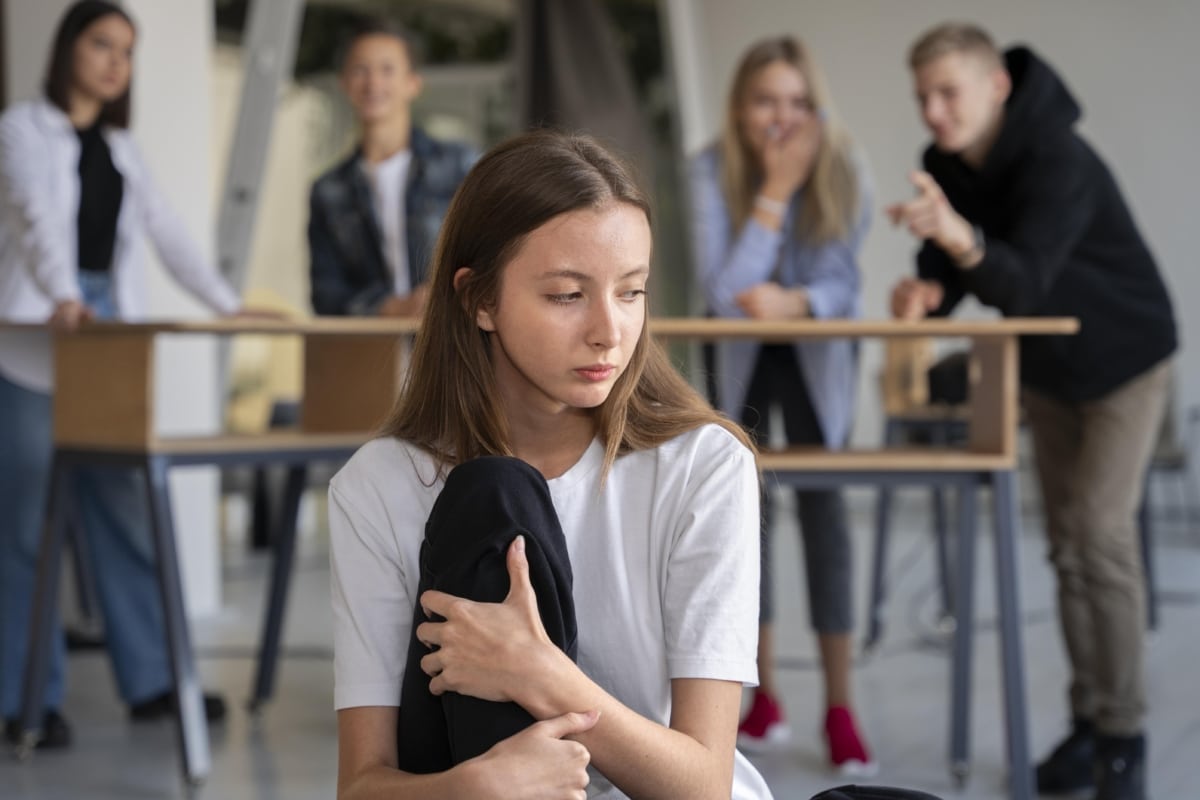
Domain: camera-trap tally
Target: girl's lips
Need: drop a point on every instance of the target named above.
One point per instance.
(597, 373)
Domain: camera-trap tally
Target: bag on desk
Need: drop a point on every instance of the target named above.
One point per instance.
(948, 379)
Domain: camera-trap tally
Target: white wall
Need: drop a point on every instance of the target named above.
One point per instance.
(1132, 66)
(171, 112)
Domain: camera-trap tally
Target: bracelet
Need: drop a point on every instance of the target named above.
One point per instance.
(767, 204)
(975, 253)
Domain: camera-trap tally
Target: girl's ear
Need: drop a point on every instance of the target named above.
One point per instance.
(483, 317)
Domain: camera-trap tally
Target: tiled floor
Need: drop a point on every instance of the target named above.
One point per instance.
(288, 751)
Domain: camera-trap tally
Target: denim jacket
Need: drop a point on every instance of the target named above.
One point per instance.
(348, 271)
(729, 261)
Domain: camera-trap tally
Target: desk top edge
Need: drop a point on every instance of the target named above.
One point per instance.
(662, 327)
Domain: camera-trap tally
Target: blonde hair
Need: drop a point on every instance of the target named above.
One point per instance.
(954, 37)
(449, 403)
(831, 192)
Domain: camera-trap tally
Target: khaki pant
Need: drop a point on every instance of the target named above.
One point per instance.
(1091, 460)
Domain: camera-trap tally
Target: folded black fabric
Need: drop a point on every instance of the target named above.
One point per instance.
(872, 793)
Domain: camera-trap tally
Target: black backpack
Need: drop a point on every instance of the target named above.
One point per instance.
(872, 793)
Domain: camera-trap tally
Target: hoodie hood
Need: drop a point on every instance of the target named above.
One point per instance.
(1040, 107)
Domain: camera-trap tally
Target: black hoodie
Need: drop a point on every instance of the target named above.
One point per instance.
(1059, 241)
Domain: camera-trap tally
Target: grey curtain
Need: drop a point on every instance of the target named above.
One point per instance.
(572, 75)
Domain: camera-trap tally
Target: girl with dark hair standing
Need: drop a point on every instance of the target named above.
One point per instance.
(75, 198)
(551, 559)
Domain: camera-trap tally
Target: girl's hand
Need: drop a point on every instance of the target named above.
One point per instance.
(486, 650)
(788, 159)
(539, 763)
(68, 315)
(772, 301)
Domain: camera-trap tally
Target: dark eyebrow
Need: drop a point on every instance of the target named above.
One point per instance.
(579, 276)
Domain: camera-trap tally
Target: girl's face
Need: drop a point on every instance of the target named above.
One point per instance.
(775, 102)
(570, 310)
(103, 59)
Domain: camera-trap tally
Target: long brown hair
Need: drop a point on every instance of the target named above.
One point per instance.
(60, 71)
(831, 192)
(448, 405)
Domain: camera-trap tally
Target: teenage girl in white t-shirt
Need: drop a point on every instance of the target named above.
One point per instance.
(545, 455)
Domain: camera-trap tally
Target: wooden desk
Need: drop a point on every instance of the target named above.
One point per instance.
(988, 458)
(104, 412)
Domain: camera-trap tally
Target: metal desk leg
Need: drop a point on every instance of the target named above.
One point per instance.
(941, 438)
(883, 513)
(281, 573)
(883, 517)
(191, 724)
(964, 613)
(943, 556)
(42, 627)
(1146, 538)
(1012, 662)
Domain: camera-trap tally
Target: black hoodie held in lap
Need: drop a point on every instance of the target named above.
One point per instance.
(1059, 241)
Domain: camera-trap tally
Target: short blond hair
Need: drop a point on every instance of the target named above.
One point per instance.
(954, 37)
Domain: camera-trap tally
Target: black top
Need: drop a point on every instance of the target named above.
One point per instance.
(1059, 241)
(100, 193)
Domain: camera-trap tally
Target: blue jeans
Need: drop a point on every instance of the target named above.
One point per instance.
(112, 510)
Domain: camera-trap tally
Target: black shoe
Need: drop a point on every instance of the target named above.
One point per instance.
(164, 706)
(1069, 767)
(1120, 768)
(55, 733)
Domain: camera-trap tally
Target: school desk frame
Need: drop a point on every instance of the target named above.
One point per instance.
(350, 378)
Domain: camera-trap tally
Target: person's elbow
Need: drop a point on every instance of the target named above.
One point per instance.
(325, 302)
(1016, 298)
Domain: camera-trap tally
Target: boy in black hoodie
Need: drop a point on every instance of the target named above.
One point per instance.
(1016, 209)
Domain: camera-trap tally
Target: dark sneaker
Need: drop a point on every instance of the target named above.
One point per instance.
(1120, 768)
(1069, 767)
(164, 706)
(55, 733)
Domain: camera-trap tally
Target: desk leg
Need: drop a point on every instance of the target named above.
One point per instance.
(191, 724)
(1012, 663)
(883, 521)
(941, 439)
(42, 628)
(964, 629)
(281, 573)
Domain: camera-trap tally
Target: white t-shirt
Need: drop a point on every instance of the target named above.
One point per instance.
(387, 179)
(665, 559)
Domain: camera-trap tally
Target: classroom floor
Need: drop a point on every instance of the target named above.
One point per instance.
(289, 750)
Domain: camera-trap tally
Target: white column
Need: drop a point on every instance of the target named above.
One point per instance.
(686, 33)
(171, 123)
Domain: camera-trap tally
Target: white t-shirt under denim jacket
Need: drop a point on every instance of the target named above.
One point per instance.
(39, 206)
(671, 544)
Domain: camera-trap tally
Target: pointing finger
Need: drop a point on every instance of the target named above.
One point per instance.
(926, 185)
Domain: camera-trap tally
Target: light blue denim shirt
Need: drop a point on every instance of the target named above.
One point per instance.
(727, 262)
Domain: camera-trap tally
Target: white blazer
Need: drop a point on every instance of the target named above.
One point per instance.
(39, 241)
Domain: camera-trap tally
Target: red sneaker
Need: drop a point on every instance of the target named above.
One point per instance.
(847, 752)
(764, 725)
